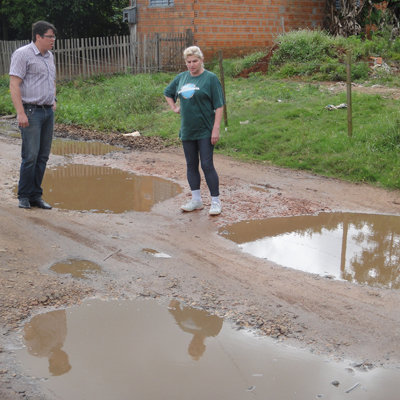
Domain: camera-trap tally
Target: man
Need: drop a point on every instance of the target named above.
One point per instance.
(33, 92)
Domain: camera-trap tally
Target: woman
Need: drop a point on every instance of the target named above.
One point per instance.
(201, 103)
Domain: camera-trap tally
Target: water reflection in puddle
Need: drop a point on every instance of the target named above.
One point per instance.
(142, 350)
(156, 253)
(362, 248)
(61, 147)
(77, 268)
(104, 189)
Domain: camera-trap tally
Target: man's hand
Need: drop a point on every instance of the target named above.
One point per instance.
(15, 91)
(22, 120)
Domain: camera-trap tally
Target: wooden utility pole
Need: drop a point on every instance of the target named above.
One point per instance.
(349, 105)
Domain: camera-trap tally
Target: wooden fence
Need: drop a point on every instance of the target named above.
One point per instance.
(109, 55)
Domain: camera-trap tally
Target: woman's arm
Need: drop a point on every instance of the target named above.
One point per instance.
(176, 109)
(217, 123)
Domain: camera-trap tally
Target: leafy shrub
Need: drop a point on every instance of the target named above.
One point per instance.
(360, 71)
(302, 46)
(4, 81)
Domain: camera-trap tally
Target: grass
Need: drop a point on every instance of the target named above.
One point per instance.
(289, 126)
(275, 121)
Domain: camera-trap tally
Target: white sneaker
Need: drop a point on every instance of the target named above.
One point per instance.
(193, 205)
(215, 208)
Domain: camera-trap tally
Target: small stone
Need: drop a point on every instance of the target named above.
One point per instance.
(283, 329)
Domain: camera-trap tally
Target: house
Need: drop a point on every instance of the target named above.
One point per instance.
(235, 26)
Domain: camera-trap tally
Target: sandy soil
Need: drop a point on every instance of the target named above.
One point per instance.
(336, 319)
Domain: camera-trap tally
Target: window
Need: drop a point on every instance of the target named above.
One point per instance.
(161, 3)
(338, 6)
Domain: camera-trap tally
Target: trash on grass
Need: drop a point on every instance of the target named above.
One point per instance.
(380, 65)
(331, 107)
(136, 133)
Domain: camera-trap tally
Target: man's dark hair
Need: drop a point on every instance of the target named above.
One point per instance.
(40, 28)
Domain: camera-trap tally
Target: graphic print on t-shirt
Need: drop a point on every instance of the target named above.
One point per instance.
(188, 90)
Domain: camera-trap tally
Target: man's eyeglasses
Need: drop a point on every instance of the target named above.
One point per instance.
(51, 37)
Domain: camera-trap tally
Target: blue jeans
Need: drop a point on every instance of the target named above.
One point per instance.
(36, 146)
(203, 149)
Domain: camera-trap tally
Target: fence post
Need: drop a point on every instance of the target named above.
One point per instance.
(221, 67)
(349, 105)
(83, 57)
(158, 60)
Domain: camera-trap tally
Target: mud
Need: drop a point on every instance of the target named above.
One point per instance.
(337, 319)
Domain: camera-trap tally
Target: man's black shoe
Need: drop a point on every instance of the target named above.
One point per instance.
(24, 203)
(40, 203)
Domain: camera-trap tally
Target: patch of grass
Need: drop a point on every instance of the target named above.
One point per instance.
(6, 106)
(121, 103)
(320, 56)
(289, 126)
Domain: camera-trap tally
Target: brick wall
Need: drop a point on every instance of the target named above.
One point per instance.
(236, 26)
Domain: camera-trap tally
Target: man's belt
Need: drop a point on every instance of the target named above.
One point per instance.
(37, 106)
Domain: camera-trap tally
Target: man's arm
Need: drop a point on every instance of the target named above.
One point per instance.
(16, 98)
(55, 96)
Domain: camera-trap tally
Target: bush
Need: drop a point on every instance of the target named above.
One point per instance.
(360, 71)
(323, 57)
(302, 46)
(4, 81)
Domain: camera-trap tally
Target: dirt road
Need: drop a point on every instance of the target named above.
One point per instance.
(337, 319)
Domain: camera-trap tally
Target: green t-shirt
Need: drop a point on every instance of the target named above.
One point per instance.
(199, 97)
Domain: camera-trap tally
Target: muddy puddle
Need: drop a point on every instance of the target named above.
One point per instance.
(100, 189)
(360, 248)
(103, 189)
(77, 268)
(141, 349)
(62, 147)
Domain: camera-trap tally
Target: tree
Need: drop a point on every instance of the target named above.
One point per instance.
(349, 17)
(16, 17)
(388, 18)
(72, 18)
(343, 20)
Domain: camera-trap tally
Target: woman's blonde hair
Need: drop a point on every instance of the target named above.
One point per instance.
(193, 51)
